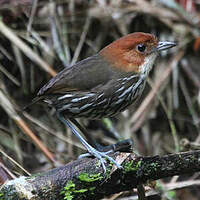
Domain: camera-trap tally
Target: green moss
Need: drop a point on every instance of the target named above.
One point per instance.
(70, 190)
(111, 165)
(89, 177)
(1, 196)
(130, 167)
(81, 191)
(108, 169)
(91, 189)
(138, 165)
(171, 194)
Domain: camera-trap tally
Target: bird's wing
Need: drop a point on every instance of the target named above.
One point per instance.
(83, 76)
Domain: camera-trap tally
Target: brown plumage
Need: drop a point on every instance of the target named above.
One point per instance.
(104, 84)
(94, 87)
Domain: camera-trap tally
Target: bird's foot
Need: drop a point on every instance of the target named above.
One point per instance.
(87, 155)
(101, 156)
(102, 152)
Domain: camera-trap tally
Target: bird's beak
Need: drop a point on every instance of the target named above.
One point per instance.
(165, 45)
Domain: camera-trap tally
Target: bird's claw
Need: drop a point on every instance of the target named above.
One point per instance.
(101, 156)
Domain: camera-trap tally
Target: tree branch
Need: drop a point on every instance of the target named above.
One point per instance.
(84, 179)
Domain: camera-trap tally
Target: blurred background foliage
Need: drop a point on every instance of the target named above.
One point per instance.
(40, 38)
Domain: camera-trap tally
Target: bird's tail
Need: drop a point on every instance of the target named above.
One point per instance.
(35, 100)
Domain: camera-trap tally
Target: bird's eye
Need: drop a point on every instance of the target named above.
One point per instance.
(141, 48)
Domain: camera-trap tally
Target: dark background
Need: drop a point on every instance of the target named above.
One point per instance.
(64, 32)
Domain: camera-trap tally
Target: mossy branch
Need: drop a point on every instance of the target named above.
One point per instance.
(84, 179)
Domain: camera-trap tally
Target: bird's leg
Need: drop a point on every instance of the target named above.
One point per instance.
(122, 146)
(90, 140)
(91, 150)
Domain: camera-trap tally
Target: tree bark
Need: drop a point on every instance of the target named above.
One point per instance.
(85, 179)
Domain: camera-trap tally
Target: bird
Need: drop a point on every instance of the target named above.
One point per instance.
(103, 84)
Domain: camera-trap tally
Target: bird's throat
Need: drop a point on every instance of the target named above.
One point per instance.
(146, 67)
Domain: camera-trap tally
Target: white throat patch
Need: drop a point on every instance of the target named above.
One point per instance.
(148, 64)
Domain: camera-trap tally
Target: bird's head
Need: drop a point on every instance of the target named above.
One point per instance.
(135, 52)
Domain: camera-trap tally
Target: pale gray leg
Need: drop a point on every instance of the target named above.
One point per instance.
(91, 150)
